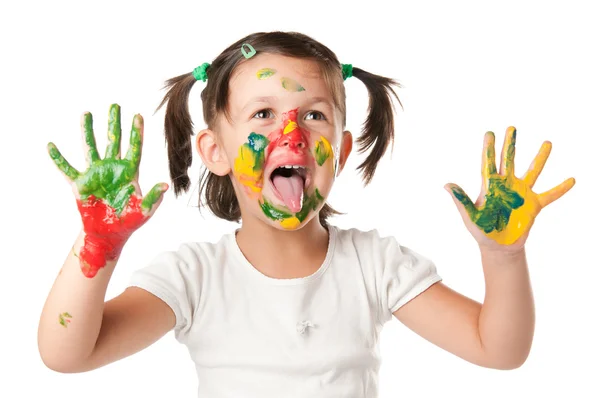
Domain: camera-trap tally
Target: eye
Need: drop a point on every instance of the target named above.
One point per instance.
(263, 114)
(315, 115)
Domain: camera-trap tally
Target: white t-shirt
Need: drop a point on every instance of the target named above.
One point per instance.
(250, 335)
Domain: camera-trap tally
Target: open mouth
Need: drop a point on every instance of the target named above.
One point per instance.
(289, 182)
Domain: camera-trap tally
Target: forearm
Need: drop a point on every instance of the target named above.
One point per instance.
(507, 318)
(72, 315)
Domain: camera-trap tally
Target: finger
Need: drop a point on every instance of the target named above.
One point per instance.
(537, 165)
(468, 209)
(113, 149)
(69, 171)
(89, 141)
(552, 194)
(488, 161)
(153, 198)
(507, 162)
(134, 153)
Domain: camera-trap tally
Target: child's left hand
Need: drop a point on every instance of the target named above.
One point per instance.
(506, 208)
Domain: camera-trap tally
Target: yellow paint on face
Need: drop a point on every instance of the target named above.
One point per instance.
(290, 223)
(323, 151)
(248, 166)
(289, 127)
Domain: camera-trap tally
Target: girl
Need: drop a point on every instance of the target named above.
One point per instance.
(288, 305)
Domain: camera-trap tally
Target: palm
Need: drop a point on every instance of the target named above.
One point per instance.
(507, 206)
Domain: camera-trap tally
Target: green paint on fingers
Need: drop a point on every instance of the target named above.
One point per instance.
(153, 196)
(90, 140)
(114, 132)
(134, 153)
(62, 163)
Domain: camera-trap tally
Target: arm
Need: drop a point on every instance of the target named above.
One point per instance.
(77, 330)
(96, 333)
(497, 334)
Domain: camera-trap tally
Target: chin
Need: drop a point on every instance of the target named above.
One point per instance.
(282, 217)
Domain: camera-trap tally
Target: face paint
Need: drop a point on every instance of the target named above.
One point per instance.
(288, 161)
(322, 151)
(289, 220)
(265, 73)
(110, 209)
(64, 318)
(250, 162)
(291, 84)
(510, 206)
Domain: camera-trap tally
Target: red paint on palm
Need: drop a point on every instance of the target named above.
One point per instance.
(105, 231)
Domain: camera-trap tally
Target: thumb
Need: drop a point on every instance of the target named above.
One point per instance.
(153, 198)
(463, 203)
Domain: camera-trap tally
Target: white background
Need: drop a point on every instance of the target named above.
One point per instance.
(466, 68)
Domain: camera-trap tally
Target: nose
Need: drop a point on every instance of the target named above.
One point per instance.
(292, 144)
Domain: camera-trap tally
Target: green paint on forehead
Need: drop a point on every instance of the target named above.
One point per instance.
(265, 73)
(291, 84)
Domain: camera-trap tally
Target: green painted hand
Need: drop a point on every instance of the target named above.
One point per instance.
(108, 194)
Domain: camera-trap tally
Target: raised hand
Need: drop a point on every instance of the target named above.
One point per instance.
(107, 192)
(507, 206)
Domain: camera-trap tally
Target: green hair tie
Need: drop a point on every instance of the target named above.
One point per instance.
(200, 72)
(346, 71)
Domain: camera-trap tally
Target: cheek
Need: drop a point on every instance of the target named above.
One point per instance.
(325, 156)
(249, 162)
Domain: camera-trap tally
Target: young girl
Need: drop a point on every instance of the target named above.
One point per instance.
(288, 305)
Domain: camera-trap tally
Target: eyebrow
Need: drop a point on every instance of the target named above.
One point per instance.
(271, 99)
(259, 100)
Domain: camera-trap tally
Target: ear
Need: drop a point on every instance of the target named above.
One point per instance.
(345, 151)
(213, 156)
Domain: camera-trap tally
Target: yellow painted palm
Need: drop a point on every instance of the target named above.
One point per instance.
(507, 206)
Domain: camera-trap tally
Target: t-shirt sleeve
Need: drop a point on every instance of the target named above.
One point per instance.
(406, 274)
(175, 278)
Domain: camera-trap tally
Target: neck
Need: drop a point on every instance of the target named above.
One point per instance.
(283, 254)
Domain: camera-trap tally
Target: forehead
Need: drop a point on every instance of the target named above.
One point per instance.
(245, 83)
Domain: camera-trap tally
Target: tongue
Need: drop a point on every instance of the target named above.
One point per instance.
(290, 189)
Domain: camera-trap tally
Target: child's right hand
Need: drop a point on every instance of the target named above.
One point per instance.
(107, 192)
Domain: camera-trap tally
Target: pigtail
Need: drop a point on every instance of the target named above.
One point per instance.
(179, 129)
(378, 130)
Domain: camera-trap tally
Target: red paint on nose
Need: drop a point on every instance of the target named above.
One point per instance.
(295, 139)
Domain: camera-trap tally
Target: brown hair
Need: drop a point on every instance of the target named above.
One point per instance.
(377, 131)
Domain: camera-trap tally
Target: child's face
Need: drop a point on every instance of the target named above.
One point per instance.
(283, 141)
